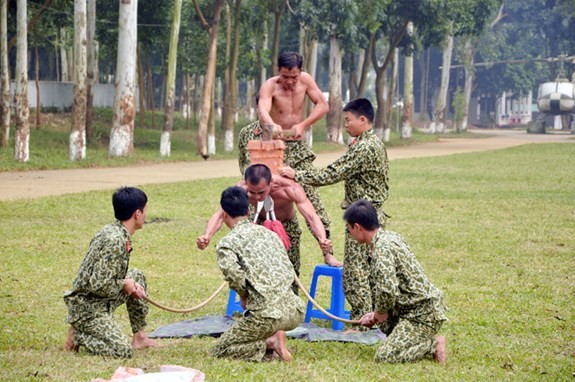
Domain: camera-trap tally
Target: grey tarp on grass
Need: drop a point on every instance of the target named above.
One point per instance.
(214, 326)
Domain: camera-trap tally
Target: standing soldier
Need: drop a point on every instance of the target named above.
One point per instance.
(364, 170)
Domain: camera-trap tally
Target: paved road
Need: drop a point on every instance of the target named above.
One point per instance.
(34, 184)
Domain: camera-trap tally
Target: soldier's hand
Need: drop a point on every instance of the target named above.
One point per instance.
(202, 242)
(368, 320)
(287, 172)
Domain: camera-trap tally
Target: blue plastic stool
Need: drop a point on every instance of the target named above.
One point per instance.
(337, 306)
(234, 305)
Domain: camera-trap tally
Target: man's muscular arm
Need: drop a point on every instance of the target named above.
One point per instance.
(213, 226)
(265, 105)
(320, 109)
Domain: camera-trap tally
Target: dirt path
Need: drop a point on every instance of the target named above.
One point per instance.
(34, 184)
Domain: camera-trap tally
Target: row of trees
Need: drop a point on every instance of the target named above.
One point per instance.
(153, 45)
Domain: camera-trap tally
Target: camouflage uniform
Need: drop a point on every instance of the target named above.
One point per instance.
(297, 155)
(364, 168)
(254, 262)
(97, 292)
(401, 288)
(293, 231)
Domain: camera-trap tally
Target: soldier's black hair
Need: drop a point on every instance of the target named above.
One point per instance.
(360, 107)
(290, 60)
(234, 201)
(363, 213)
(127, 200)
(256, 172)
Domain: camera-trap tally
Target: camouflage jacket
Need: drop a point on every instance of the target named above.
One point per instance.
(363, 167)
(248, 133)
(101, 274)
(399, 283)
(255, 262)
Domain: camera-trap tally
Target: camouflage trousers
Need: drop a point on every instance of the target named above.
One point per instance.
(102, 335)
(356, 272)
(246, 339)
(299, 156)
(408, 339)
(293, 231)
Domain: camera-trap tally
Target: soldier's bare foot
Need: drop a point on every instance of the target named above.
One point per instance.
(330, 260)
(351, 330)
(277, 343)
(141, 341)
(69, 343)
(440, 350)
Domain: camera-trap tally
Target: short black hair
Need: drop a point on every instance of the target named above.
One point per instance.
(360, 107)
(126, 201)
(234, 201)
(363, 213)
(256, 172)
(290, 60)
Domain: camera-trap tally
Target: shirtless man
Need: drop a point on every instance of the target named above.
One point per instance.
(281, 104)
(259, 184)
(282, 98)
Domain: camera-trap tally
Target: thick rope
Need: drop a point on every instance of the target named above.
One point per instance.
(224, 284)
(188, 310)
(344, 320)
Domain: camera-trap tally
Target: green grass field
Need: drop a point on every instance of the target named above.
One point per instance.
(494, 230)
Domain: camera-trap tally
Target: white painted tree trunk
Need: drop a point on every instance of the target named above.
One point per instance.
(165, 147)
(5, 75)
(311, 69)
(438, 124)
(122, 134)
(334, 116)
(78, 134)
(407, 117)
(250, 111)
(21, 152)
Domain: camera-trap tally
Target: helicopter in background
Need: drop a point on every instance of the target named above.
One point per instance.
(555, 98)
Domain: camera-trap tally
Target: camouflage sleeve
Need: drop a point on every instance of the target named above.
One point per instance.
(230, 267)
(244, 158)
(108, 271)
(345, 166)
(386, 287)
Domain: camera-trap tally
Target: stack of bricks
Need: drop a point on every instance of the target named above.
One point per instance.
(269, 151)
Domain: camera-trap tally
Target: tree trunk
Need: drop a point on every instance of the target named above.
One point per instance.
(278, 12)
(22, 153)
(209, 82)
(141, 87)
(151, 94)
(365, 66)
(230, 101)
(389, 122)
(469, 74)
(212, 127)
(407, 117)
(64, 55)
(37, 78)
(438, 125)
(122, 134)
(5, 74)
(78, 134)
(424, 68)
(165, 144)
(310, 47)
(334, 116)
(91, 66)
